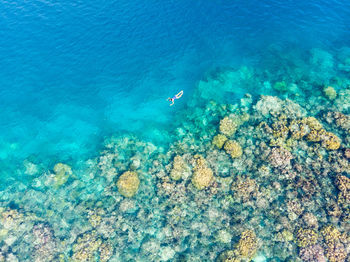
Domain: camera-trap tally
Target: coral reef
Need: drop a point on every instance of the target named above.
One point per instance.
(62, 173)
(247, 245)
(233, 168)
(128, 183)
(202, 174)
(228, 126)
(330, 93)
(179, 168)
(314, 253)
(306, 237)
(280, 157)
(233, 148)
(219, 140)
(85, 247)
(245, 249)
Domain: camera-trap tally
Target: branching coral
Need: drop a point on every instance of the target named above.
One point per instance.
(330, 234)
(298, 128)
(313, 253)
(335, 252)
(11, 218)
(306, 237)
(247, 245)
(280, 129)
(244, 188)
(330, 141)
(280, 157)
(85, 247)
(343, 184)
(245, 249)
(308, 127)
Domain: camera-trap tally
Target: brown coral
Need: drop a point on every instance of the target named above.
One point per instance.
(343, 184)
(306, 237)
(179, 167)
(298, 129)
(233, 148)
(202, 174)
(247, 245)
(280, 157)
(227, 126)
(330, 234)
(335, 252)
(330, 141)
(128, 184)
(244, 188)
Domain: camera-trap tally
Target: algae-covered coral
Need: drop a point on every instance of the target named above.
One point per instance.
(259, 178)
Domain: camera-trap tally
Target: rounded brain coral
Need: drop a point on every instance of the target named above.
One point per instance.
(227, 126)
(202, 175)
(233, 148)
(128, 184)
(219, 140)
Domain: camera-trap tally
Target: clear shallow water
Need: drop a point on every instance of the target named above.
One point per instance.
(75, 73)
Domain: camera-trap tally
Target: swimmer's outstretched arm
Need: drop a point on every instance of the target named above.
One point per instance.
(172, 102)
(179, 94)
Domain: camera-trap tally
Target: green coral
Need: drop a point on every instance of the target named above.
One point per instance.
(281, 86)
(219, 140)
(330, 93)
(62, 173)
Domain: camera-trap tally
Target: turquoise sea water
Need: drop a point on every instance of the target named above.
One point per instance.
(75, 72)
(83, 89)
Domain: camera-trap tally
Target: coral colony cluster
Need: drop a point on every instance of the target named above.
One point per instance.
(263, 178)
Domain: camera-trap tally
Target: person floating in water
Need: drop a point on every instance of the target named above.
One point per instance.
(172, 99)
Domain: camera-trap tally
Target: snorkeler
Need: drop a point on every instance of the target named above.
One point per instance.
(175, 97)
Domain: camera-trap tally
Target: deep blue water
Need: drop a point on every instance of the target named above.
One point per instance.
(74, 72)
